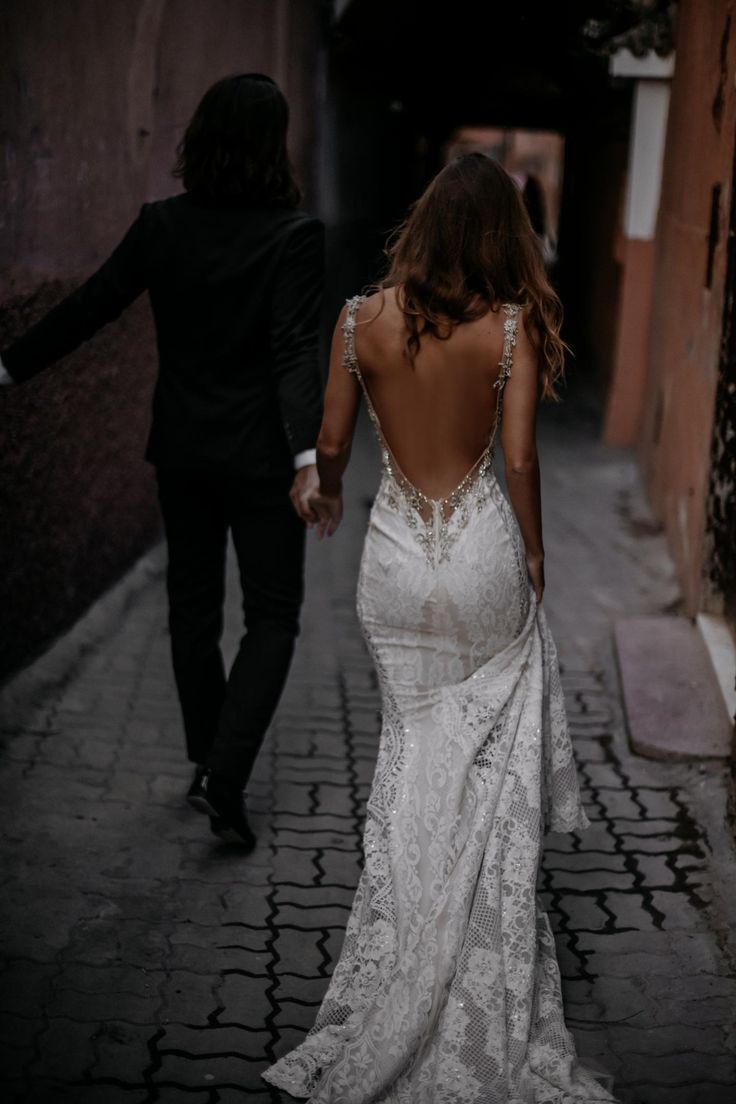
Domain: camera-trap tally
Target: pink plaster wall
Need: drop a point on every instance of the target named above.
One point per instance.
(678, 409)
(625, 399)
(94, 97)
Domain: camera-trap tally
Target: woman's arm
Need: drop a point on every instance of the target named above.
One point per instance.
(334, 444)
(521, 465)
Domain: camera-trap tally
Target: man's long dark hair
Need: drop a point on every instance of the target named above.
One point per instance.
(234, 149)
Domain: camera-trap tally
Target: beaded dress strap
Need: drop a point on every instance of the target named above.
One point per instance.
(510, 326)
(350, 361)
(348, 328)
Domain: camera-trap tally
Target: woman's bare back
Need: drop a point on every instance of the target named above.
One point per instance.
(437, 415)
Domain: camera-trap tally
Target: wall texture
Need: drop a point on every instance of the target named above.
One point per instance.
(720, 563)
(675, 443)
(94, 97)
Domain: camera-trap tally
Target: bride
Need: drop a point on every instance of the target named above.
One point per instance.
(447, 990)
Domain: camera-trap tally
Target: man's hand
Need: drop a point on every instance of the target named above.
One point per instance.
(305, 485)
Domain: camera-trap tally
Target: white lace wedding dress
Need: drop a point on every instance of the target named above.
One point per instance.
(447, 990)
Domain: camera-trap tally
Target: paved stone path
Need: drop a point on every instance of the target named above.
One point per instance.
(144, 962)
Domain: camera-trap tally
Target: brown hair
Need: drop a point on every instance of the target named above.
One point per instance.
(467, 245)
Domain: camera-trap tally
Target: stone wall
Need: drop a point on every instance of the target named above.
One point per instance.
(94, 96)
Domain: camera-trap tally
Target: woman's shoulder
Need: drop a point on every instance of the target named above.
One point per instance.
(368, 305)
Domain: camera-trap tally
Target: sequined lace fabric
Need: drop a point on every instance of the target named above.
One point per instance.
(447, 990)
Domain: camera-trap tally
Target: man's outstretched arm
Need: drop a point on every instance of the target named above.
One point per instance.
(100, 300)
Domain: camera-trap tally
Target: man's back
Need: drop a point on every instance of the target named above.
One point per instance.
(235, 294)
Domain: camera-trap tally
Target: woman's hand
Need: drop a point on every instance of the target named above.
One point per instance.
(326, 512)
(535, 568)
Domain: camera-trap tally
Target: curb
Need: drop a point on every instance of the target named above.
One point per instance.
(25, 691)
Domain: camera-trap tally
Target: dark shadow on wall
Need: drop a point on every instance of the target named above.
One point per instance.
(77, 500)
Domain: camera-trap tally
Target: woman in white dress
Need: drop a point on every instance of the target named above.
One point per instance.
(447, 990)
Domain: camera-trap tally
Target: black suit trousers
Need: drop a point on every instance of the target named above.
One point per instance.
(226, 715)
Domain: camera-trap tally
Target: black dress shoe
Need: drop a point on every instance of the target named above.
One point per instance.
(225, 803)
(195, 793)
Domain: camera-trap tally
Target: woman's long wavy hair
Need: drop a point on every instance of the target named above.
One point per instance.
(234, 149)
(467, 246)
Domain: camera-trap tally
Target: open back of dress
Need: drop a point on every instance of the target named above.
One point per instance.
(436, 419)
(436, 520)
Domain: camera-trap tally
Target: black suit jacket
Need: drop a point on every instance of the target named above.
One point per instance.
(236, 294)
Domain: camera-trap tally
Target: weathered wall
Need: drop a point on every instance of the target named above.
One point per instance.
(720, 546)
(720, 550)
(675, 443)
(94, 96)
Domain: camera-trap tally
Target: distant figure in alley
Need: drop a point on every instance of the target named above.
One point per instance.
(235, 272)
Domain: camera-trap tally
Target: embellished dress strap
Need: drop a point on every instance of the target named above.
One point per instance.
(348, 329)
(350, 361)
(510, 327)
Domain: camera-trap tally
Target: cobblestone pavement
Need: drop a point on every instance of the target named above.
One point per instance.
(146, 962)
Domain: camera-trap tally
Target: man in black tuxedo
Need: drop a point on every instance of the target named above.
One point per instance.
(234, 272)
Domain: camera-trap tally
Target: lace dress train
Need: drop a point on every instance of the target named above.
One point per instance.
(447, 990)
